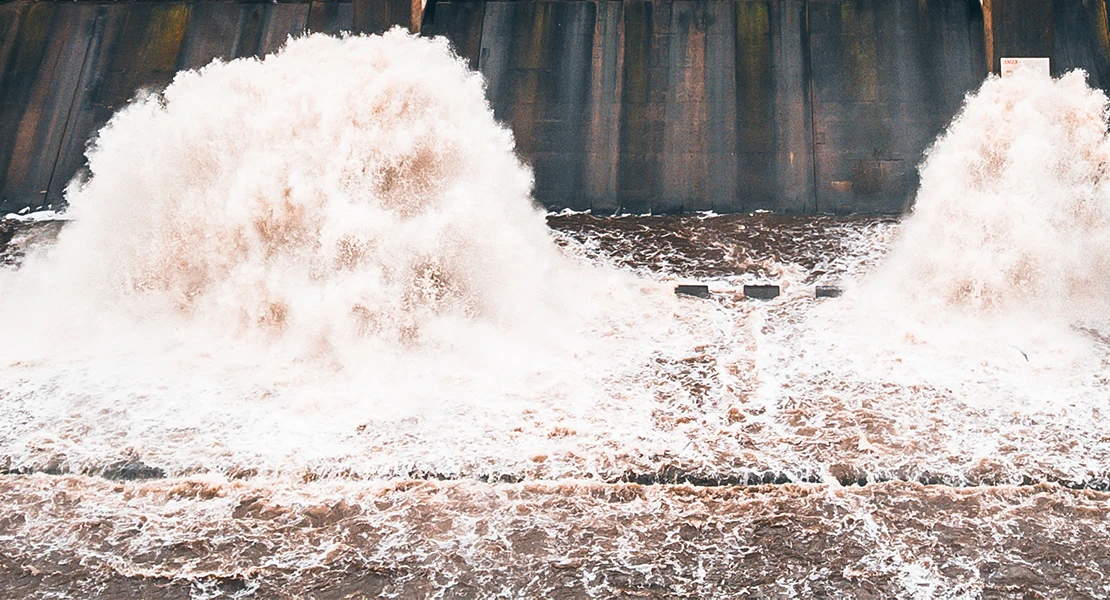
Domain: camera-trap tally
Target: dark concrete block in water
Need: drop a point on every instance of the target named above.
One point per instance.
(828, 291)
(761, 292)
(132, 470)
(701, 291)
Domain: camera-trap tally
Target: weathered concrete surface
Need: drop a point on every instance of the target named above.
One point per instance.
(377, 16)
(636, 106)
(741, 105)
(66, 67)
(649, 106)
(788, 105)
(887, 77)
(1074, 34)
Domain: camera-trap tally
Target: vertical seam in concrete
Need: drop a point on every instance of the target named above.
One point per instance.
(477, 66)
(811, 95)
(11, 36)
(26, 127)
(72, 104)
(243, 14)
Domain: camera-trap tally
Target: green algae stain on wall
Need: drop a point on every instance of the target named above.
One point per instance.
(166, 31)
(753, 72)
(27, 86)
(539, 38)
(637, 170)
(33, 31)
(861, 54)
(637, 55)
(145, 54)
(531, 44)
(1102, 27)
(756, 142)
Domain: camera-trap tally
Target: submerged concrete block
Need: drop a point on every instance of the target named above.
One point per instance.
(132, 470)
(700, 291)
(761, 292)
(827, 291)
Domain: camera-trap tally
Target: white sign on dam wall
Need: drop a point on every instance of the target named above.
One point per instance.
(1040, 65)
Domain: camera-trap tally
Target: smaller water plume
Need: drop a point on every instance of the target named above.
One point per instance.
(1014, 207)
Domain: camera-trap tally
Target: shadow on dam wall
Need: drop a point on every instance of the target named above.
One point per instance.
(638, 106)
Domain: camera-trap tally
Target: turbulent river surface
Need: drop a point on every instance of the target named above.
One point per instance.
(307, 336)
(735, 481)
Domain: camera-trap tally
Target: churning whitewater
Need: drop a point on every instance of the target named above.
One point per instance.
(292, 284)
(326, 263)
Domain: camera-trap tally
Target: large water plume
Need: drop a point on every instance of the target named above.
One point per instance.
(977, 350)
(292, 257)
(341, 188)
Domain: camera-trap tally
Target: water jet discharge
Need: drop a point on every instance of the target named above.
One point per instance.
(309, 333)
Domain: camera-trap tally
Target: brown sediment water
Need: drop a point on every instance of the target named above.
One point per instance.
(724, 246)
(84, 537)
(240, 535)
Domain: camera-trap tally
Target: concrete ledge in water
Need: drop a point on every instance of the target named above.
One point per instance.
(132, 471)
(761, 292)
(700, 291)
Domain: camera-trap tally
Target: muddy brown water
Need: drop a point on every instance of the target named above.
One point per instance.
(87, 537)
(210, 536)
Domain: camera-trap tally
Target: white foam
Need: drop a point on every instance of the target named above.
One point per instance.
(37, 216)
(978, 338)
(325, 259)
(328, 262)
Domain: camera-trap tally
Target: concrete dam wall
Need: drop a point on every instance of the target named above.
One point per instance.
(639, 106)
